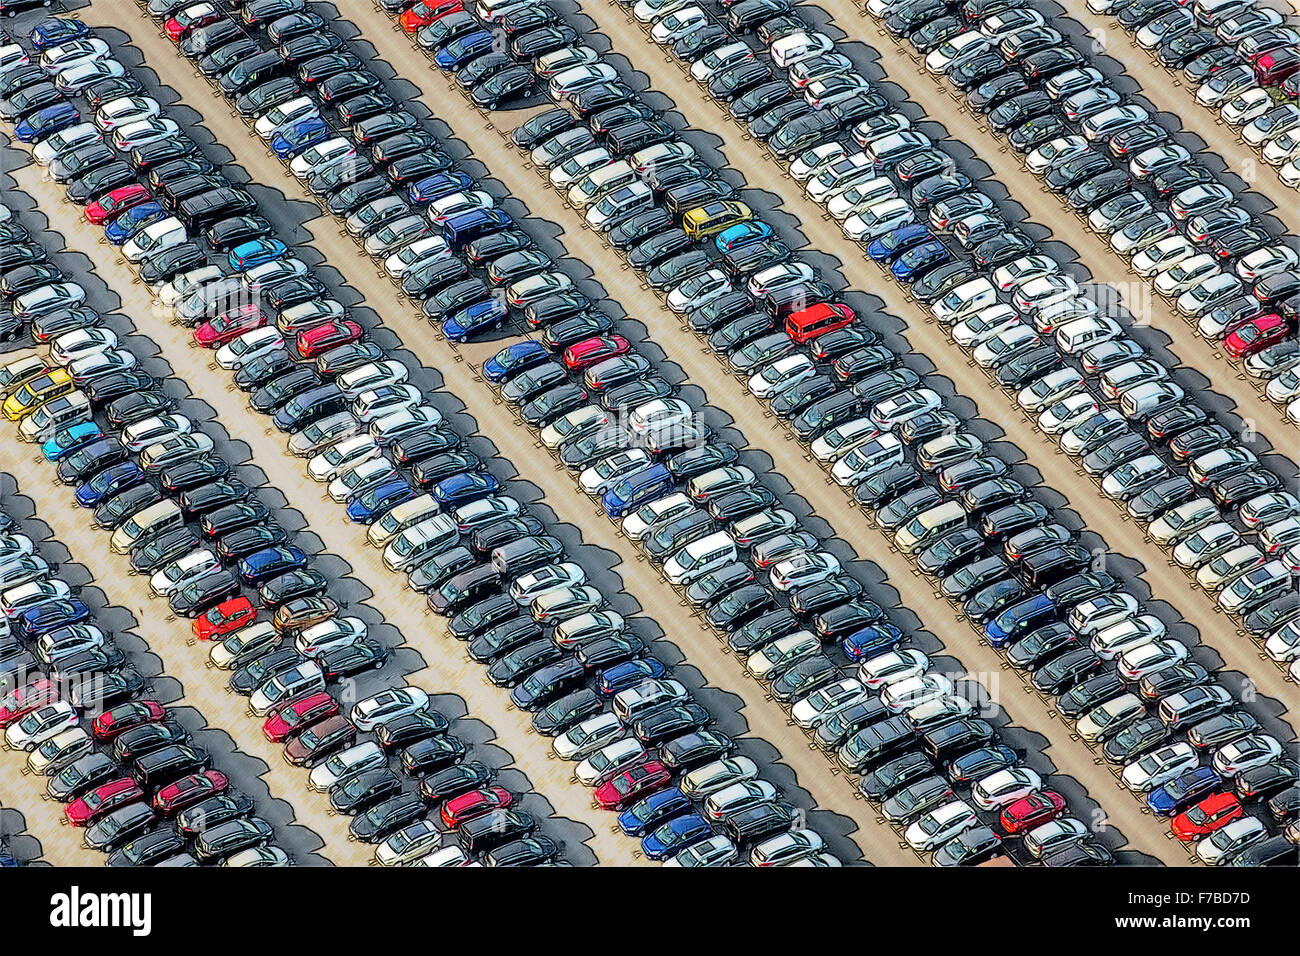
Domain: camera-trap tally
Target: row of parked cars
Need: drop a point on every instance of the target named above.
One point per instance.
(477, 553)
(282, 664)
(127, 772)
(681, 493)
(1209, 256)
(1222, 475)
(1250, 51)
(877, 455)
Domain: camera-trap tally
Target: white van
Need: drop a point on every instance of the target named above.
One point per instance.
(967, 299)
(157, 518)
(420, 541)
(700, 557)
(405, 515)
(593, 186)
(929, 526)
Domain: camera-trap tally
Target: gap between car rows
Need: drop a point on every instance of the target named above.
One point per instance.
(767, 720)
(1057, 471)
(403, 609)
(623, 287)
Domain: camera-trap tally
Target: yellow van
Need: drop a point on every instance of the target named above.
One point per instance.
(37, 392)
(712, 218)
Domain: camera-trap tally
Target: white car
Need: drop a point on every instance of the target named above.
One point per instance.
(1265, 262)
(607, 472)
(804, 569)
(1137, 662)
(297, 681)
(722, 58)
(321, 155)
(40, 725)
(1165, 254)
(1242, 754)
(698, 290)
(79, 343)
(787, 849)
(73, 53)
(1246, 107)
(892, 667)
(1158, 767)
(1025, 269)
(771, 660)
(608, 760)
(959, 49)
(1007, 341)
(1067, 413)
(730, 800)
(1004, 787)
(1221, 846)
(1115, 639)
(811, 712)
(840, 440)
(1225, 568)
(812, 161)
(579, 77)
(1054, 835)
(330, 635)
(776, 377)
(913, 691)
(940, 825)
(552, 577)
(188, 567)
(677, 25)
(342, 456)
(795, 47)
(648, 11)
(408, 844)
(143, 132)
(346, 764)
(124, 110)
(250, 345)
(587, 737)
(975, 330)
(396, 702)
(717, 775)
(1206, 544)
(1109, 718)
(1048, 390)
(1283, 645)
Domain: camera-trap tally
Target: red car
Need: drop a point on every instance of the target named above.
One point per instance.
(181, 25)
(103, 800)
(1032, 811)
(1216, 810)
(474, 804)
(225, 617)
(23, 700)
(332, 334)
(189, 790)
(633, 784)
(229, 325)
(125, 716)
(117, 202)
(297, 715)
(1259, 333)
(595, 349)
(426, 11)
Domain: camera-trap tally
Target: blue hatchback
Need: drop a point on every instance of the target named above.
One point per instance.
(1020, 618)
(463, 488)
(69, 439)
(44, 618)
(894, 243)
(299, 137)
(45, 122)
(741, 234)
(628, 674)
(675, 836)
(479, 317)
(463, 49)
(1184, 790)
(871, 641)
(426, 190)
(256, 252)
(636, 489)
(109, 482)
(918, 259)
(123, 227)
(377, 502)
(513, 359)
(55, 30)
(648, 812)
(267, 563)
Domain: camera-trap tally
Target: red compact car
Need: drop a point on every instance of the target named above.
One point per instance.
(225, 617)
(474, 804)
(125, 716)
(1257, 334)
(633, 784)
(188, 790)
(103, 800)
(595, 349)
(116, 203)
(1032, 811)
(332, 334)
(298, 715)
(806, 324)
(229, 325)
(190, 19)
(426, 11)
(23, 700)
(1216, 810)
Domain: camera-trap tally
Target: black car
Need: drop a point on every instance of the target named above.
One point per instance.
(432, 754)
(453, 781)
(376, 823)
(410, 729)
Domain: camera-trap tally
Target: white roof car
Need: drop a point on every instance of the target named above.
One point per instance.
(587, 737)
(796, 47)
(604, 474)
(813, 160)
(1109, 717)
(914, 691)
(892, 667)
(1225, 568)
(777, 376)
(1067, 413)
(1165, 254)
(842, 439)
(714, 776)
(677, 25)
(1054, 835)
(409, 843)
(636, 524)
(386, 705)
(773, 659)
(1253, 750)
(812, 711)
(345, 764)
(124, 110)
(1050, 389)
(330, 635)
(186, 568)
(40, 725)
(1209, 542)
(608, 760)
(940, 825)
(721, 58)
(528, 586)
(1224, 844)
(1158, 767)
(1004, 787)
(342, 456)
(973, 331)
(79, 343)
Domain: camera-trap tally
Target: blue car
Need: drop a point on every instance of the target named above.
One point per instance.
(1020, 618)
(649, 812)
(109, 482)
(463, 488)
(267, 563)
(895, 243)
(426, 190)
(123, 227)
(675, 836)
(463, 49)
(479, 317)
(636, 489)
(1184, 790)
(69, 439)
(299, 137)
(44, 618)
(871, 641)
(377, 502)
(256, 252)
(460, 231)
(741, 234)
(918, 259)
(628, 674)
(514, 359)
(46, 122)
(55, 30)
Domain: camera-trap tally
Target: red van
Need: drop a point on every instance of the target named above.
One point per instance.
(806, 324)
